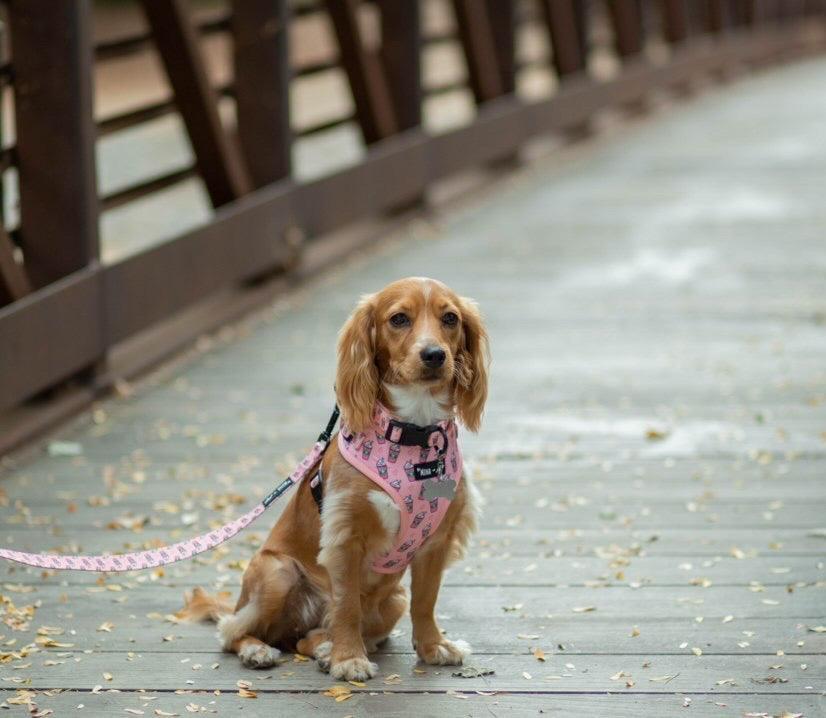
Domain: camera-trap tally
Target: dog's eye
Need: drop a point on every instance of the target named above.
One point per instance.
(450, 319)
(400, 319)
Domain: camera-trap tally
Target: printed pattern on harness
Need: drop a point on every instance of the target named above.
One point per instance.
(422, 498)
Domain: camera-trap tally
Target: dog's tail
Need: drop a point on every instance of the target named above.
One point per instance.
(200, 606)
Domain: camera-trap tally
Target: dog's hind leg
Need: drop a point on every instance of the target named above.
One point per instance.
(261, 615)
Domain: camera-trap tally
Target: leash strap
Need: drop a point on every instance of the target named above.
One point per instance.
(183, 549)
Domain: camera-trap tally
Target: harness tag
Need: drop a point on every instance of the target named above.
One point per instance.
(445, 489)
(428, 470)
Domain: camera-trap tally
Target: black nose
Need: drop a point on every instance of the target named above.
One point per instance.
(432, 357)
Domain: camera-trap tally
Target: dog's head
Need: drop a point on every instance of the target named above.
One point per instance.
(415, 331)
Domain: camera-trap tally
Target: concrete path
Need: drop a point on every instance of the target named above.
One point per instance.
(652, 459)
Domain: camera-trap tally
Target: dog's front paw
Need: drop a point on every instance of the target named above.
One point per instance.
(322, 655)
(258, 655)
(354, 669)
(443, 652)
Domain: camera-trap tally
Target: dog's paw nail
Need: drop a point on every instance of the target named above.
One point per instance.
(354, 669)
(258, 656)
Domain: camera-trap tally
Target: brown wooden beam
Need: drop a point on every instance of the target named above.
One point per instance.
(502, 14)
(675, 20)
(262, 84)
(627, 21)
(401, 45)
(716, 19)
(477, 36)
(52, 50)
(50, 335)
(564, 36)
(368, 82)
(14, 282)
(218, 158)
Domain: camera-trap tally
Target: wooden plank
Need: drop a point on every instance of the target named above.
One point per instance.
(262, 78)
(387, 703)
(51, 45)
(219, 160)
(564, 36)
(555, 490)
(14, 282)
(499, 632)
(682, 546)
(641, 516)
(395, 173)
(53, 311)
(481, 50)
(497, 133)
(803, 604)
(689, 674)
(368, 82)
(687, 543)
(615, 566)
(241, 242)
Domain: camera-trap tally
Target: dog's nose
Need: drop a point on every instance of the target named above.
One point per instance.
(432, 357)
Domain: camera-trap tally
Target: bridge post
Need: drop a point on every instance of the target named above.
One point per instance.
(51, 44)
(262, 76)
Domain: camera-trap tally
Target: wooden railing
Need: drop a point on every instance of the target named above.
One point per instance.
(62, 311)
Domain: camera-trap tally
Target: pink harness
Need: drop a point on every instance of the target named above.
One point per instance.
(419, 467)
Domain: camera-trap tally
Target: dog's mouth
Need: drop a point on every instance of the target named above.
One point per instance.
(431, 375)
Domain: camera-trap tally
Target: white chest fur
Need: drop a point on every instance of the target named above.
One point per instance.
(417, 405)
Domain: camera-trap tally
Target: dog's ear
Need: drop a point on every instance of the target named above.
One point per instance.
(473, 360)
(357, 376)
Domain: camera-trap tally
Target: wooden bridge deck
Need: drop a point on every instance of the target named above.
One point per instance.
(653, 458)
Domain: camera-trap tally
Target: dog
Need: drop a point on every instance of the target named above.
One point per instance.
(414, 356)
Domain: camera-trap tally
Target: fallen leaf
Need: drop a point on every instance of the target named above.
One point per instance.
(339, 693)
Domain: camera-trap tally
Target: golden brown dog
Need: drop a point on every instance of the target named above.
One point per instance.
(421, 351)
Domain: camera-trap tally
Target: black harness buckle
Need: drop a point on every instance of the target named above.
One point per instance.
(407, 434)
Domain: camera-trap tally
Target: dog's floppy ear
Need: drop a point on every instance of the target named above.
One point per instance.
(473, 360)
(357, 376)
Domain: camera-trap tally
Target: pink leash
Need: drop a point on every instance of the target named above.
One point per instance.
(183, 549)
